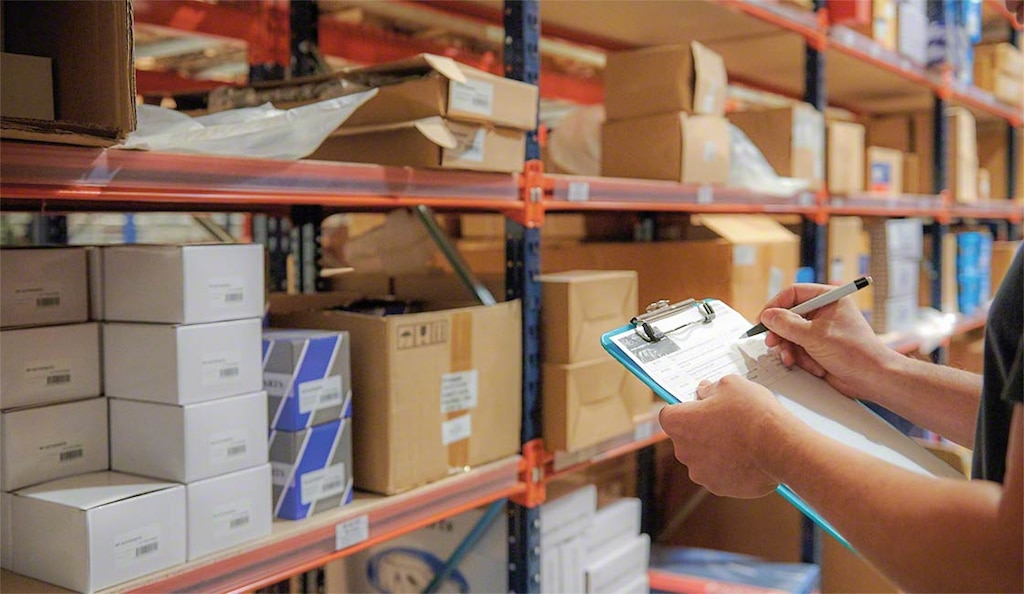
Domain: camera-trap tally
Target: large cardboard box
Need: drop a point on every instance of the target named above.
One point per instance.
(307, 375)
(558, 226)
(999, 69)
(90, 47)
(182, 364)
(431, 142)
(664, 79)
(50, 442)
(845, 151)
(848, 256)
(674, 146)
(892, 132)
(578, 306)
(43, 286)
(228, 510)
(433, 392)
(884, 170)
(992, 156)
(49, 364)
(26, 86)
(429, 85)
(791, 138)
(312, 469)
(92, 531)
(962, 155)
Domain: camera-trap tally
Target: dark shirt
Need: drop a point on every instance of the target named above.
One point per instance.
(1003, 383)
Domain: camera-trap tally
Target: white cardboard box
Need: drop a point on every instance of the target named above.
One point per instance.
(49, 442)
(93, 531)
(94, 256)
(188, 443)
(6, 531)
(563, 521)
(612, 524)
(43, 286)
(190, 284)
(630, 558)
(176, 364)
(228, 510)
(49, 364)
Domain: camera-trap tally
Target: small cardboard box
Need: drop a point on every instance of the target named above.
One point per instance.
(578, 306)
(432, 391)
(50, 442)
(673, 146)
(90, 47)
(845, 171)
(182, 364)
(895, 132)
(188, 443)
(664, 79)
(307, 375)
(312, 469)
(92, 531)
(190, 284)
(432, 142)
(26, 88)
(43, 286)
(884, 170)
(228, 510)
(49, 364)
(428, 85)
(791, 138)
(848, 256)
(962, 155)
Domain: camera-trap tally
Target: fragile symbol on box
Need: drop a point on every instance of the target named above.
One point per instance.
(421, 335)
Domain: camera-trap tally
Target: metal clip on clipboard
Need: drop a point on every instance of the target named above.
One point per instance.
(643, 324)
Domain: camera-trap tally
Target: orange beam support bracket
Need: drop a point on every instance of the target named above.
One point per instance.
(533, 187)
(531, 473)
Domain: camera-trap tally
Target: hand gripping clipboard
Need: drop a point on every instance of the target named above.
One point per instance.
(658, 345)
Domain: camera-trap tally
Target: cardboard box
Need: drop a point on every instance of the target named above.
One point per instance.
(182, 364)
(190, 284)
(188, 443)
(962, 156)
(1002, 255)
(845, 150)
(674, 147)
(50, 442)
(433, 391)
(883, 23)
(94, 260)
(429, 85)
(432, 142)
(26, 88)
(663, 80)
(992, 155)
(630, 558)
(49, 364)
(93, 531)
(557, 226)
(312, 469)
(892, 132)
(884, 171)
(307, 375)
(946, 275)
(791, 138)
(578, 306)
(613, 523)
(6, 531)
(848, 256)
(997, 58)
(912, 175)
(43, 286)
(90, 47)
(228, 510)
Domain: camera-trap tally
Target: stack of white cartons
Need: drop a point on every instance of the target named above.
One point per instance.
(617, 553)
(896, 252)
(563, 523)
(181, 361)
(308, 379)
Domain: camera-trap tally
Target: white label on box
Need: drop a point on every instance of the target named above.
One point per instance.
(470, 146)
(744, 255)
(709, 150)
(705, 195)
(276, 384)
(226, 292)
(226, 446)
(67, 450)
(48, 374)
(474, 96)
(579, 192)
(233, 516)
(35, 298)
(774, 282)
(351, 532)
(459, 391)
(279, 473)
(321, 393)
(835, 271)
(456, 429)
(221, 368)
(136, 546)
(323, 483)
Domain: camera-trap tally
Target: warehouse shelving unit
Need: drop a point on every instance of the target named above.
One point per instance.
(52, 179)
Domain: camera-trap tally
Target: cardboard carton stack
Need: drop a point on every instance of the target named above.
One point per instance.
(308, 380)
(896, 252)
(999, 69)
(664, 110)
(844, 171)
(181, 360)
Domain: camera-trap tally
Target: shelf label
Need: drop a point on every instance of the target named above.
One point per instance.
(705, 195)
(579, 192)
(351, 533)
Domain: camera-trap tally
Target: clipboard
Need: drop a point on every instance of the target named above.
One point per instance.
(656, 341)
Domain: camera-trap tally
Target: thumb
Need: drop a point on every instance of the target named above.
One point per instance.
(787, 325)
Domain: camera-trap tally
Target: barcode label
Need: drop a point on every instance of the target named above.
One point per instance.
(220, 368)
(231, 517)
(229, 372)
(239, 522)
(234, 297)
(70, 455)
(146, 549)
(131, 548)
(48, 374)
(48, 302)
(62, 378)
(324, 483)
(473, 96)
(237, 450)
(227, 446)
(318, 394)
(226, 292)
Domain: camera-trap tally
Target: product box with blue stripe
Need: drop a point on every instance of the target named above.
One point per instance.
(312, 469)
(307, 376)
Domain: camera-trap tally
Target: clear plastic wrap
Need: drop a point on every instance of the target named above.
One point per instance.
(749, 169)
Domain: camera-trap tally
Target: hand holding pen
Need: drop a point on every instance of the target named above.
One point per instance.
(817, 302)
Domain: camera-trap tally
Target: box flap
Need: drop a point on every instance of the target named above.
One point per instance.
(433, 129)
(745, 228)
(88, 491)
(710, 81)
(415, 66)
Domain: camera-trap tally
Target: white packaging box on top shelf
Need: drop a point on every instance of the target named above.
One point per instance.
(175, 364)
(43, 286)
(44, 443)
(49, 364)
(622, 565)
(563, 522)
(308, 377)
(188, 443)
(96, 530)
(190, 284)
(228, 510)
(312, 469)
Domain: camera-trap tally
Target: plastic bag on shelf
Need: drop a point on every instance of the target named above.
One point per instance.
(263, 132)
(749, 169)
(575, 144)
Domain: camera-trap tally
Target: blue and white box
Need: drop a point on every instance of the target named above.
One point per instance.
(311, 469)
(307, 376)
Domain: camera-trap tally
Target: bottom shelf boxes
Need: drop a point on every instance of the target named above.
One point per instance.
(312, 469)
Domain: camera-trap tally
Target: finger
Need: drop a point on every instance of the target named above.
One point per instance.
(808, 363)
(705, 389)
(787, 325)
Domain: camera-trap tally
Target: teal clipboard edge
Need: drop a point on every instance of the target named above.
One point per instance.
(783, 490)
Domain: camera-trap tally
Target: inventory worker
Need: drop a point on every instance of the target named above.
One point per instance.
(925, 534)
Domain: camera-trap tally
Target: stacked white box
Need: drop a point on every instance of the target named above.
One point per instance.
(563, 524)
(617, 553)
(228, 510)
(896, 253)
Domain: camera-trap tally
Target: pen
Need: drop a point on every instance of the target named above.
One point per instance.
(818, 302)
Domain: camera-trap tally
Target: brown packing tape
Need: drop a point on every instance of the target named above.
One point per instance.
(462, 360)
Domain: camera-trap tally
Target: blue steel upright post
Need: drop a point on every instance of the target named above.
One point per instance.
(814, 239)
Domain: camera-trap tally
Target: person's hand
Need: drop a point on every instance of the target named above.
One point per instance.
(834, 342)
(721, 436)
